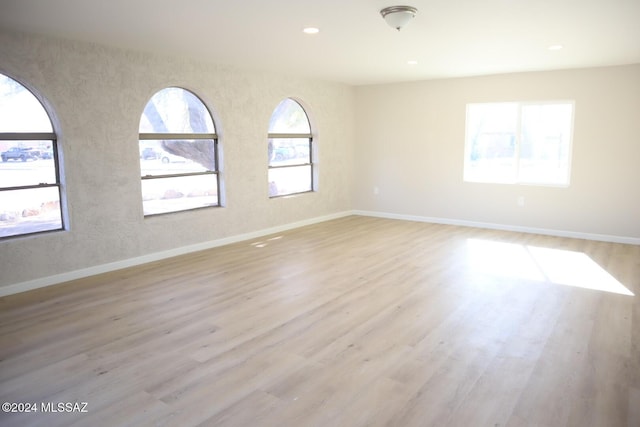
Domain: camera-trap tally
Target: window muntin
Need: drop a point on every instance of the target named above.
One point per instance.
(178, 154)
(30, 190)
(519, 143)
(290, 150)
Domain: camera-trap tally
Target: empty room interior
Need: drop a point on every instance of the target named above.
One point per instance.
(320, 213)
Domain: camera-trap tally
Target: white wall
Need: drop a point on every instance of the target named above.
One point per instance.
(97, 95)
(410, 145)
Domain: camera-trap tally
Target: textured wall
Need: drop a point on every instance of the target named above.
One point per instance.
(410, 145)
(97, 95)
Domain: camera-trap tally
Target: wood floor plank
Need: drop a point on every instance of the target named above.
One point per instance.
(358, 321)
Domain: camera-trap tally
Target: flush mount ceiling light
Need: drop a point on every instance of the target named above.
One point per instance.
(398, 16)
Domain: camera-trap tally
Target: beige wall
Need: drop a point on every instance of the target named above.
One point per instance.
(410, 145)
(97, 95)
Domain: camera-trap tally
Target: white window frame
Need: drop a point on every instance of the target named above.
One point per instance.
(517, 180)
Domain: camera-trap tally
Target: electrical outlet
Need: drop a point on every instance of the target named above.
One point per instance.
(520, 201)
(376, 190)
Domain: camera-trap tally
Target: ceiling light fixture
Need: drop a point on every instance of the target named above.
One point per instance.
(398, 16)
(555, 47)
(311, 30)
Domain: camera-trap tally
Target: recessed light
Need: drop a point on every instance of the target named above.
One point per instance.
(555, 47)
(412, 62)
(311, 30)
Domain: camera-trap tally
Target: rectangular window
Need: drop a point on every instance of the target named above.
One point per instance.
(290, 165)
(29, 186)
(519, 143)
(173, 183)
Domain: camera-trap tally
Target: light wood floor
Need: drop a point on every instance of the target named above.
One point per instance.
(353, 322)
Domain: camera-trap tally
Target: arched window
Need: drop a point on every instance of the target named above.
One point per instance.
(290, 150)
(178, 153)
(30, 190)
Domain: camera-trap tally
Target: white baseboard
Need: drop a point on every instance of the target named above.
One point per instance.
(521, 229)
(157, 256)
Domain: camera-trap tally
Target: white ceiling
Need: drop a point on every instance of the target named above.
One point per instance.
(448, 38)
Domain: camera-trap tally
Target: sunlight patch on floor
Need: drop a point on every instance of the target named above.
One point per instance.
(557, 266)
(264, 244)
